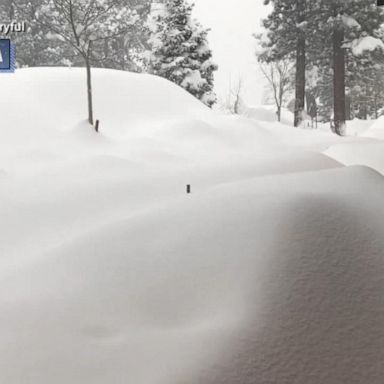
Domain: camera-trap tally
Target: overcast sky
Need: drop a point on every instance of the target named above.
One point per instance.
(232, 24)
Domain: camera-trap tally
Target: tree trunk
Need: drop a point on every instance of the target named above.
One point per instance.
(11, 10)
(279, 114)
(237, 105)
(89, 90)
(338, 79)
(364, 111)
(300, 81)
(348, 111)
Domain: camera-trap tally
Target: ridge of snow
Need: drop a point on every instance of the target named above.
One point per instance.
(271, 269)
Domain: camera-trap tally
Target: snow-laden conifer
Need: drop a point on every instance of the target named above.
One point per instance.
(179, 49)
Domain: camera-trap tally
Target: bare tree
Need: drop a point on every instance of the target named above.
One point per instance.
(82, 25)
(234, 96)
(278, 75)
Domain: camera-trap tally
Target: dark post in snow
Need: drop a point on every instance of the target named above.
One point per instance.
(97, 125)
(188, 189)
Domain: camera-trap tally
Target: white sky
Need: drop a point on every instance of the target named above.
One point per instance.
(232, 23)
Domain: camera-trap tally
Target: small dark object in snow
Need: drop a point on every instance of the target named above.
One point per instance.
(188, 188)
(97, 125)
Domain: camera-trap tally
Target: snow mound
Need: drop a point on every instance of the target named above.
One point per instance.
(270, 271)
(357, 127)
(367, 153)
(243, 283)
(268, 114)
(55, 98)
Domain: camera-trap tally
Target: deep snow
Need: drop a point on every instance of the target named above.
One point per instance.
(271, 271)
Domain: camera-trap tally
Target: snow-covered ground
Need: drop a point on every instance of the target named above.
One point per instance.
(271, 271)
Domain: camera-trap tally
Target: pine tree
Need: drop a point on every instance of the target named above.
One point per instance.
(366, 86)
(340, 26)
(322, 36)
(287, 27)
(126, 51)
(180, 50)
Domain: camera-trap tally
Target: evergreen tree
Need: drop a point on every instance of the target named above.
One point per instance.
(180, 50)
(287, 27)
(341, 25)
(365, 84)
(126, 51)
(322, 36)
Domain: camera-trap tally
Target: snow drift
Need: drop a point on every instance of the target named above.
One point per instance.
(241, 283)
(376, 130)
(369, 153)
(271, 271)
(55, 98)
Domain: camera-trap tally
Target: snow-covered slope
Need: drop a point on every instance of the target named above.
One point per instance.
(271, 271)
(268, 113)
(119, 97)
(368, 152)
(376, 130)
(357, 127)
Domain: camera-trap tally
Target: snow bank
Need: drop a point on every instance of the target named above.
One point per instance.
(369, 150)
(243, 283)
(376, 130)
(55, 98)
(271, 271)
(366, 153)
(357, 127)
(268, 113)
